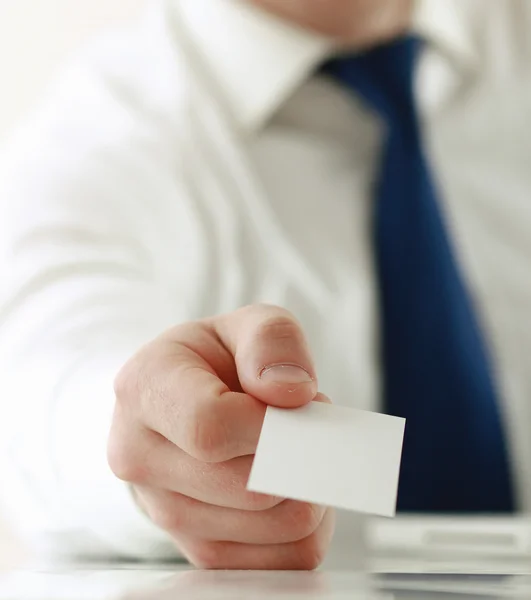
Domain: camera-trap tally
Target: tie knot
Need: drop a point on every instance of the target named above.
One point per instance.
(383, 76)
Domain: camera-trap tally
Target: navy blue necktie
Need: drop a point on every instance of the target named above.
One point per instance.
(435, 363)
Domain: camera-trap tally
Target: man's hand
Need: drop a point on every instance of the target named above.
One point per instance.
(188, 415)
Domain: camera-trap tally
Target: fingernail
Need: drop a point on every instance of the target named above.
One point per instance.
(285, 373)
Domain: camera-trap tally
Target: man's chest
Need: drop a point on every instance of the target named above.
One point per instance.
(299, 197)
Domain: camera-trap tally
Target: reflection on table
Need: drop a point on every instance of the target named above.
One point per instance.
(184, 583)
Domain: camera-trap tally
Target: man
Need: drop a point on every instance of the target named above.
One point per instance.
(267, 155)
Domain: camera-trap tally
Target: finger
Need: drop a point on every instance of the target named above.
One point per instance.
(156, 462)
(305, 554)
(272, 356)
(288, 522)
(149, 460)
(172, 390)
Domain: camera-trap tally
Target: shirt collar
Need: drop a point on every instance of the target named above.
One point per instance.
(445, 24)
(258, 60)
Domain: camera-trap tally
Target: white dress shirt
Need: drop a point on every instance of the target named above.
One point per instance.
(194, 164)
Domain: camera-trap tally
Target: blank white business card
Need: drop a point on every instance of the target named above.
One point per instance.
(330, 455)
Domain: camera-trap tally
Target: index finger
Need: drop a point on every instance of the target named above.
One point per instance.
(181, 397)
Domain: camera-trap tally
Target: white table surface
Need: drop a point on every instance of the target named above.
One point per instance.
(114, 583)
(411, 558)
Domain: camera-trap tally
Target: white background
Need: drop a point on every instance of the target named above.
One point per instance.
(35, 38)
(37, 35)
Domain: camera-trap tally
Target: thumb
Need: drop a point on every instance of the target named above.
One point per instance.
(271, 355)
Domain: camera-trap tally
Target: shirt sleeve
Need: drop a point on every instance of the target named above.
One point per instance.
(98, 254)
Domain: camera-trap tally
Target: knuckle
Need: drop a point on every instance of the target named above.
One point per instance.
(311, 553)
(207, 439)
(279, 327)
(123, 381)
(304, 518)
(125, 467)
(270, 316)
(129, 383)
(133, 384)
(167, 519)
(124, 460)
(206, 555)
